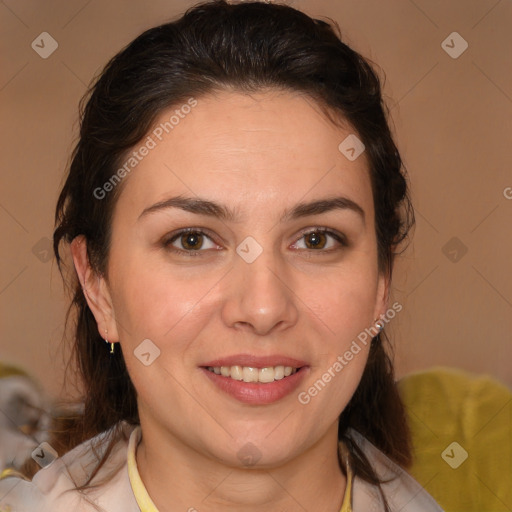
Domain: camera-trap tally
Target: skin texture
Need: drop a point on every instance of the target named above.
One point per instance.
(259, 155)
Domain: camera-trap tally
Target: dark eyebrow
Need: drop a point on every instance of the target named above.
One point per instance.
(210, 208)
(322, 206)
(193, 205)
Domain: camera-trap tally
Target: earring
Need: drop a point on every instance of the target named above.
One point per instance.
(106, 341)
(379, 325)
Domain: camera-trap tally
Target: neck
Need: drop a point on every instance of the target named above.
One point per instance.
(178, 475)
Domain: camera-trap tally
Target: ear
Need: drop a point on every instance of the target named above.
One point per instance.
(96, 291)
(382, 299)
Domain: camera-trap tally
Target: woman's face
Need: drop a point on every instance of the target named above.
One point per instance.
(261, 286)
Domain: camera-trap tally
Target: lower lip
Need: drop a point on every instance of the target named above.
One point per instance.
(257, 393)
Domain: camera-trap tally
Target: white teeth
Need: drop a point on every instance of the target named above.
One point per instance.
(278, 372)
(251, 374)
(266, 375)
(235, 372)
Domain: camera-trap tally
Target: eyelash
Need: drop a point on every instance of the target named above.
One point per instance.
(195, 253)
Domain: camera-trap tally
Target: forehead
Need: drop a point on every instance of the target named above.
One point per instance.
(259, 151)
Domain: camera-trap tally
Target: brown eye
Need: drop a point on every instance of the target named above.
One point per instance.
(315, 240)
(192, 240)
(321, 241)
(189, 242)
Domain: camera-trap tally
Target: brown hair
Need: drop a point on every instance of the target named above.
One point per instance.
(246, 47)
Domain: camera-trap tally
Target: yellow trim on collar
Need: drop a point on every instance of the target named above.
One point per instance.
(9, 472)
(146, 504)
(139, 490)
(343, 451)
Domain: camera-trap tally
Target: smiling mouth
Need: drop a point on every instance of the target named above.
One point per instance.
(252, 374)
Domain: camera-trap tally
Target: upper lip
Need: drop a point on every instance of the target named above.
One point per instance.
(256, 361)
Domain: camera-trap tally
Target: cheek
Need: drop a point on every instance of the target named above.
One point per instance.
(151, 302)
(341, 306)
(342, 352)
(344, 300)
(169, 310)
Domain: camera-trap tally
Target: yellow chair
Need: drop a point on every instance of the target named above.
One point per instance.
(462, 436)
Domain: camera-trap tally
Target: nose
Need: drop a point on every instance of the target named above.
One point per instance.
(260, 298)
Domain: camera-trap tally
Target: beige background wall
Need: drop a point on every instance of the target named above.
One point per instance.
(453, 123)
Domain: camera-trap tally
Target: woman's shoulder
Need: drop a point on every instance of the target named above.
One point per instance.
(401, 490)
(53, 488)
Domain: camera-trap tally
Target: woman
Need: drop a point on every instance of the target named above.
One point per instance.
(233, 209)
